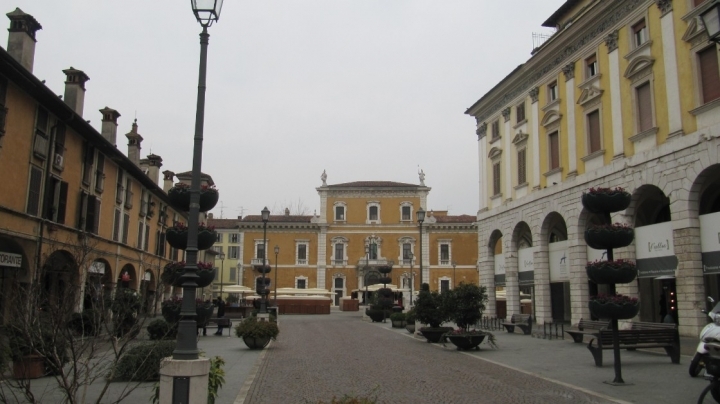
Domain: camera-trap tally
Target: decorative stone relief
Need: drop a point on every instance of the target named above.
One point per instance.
(520, 139)
(506, 114)
(495, 152)
(611, 41)
(665, 6)
(589, 94)
(639, 68)
(534, 94)
(481, 131)
(569, 71)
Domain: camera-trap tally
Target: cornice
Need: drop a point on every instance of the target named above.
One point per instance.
(549, 59)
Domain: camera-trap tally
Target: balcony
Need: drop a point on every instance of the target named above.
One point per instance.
(444, 262)
(301, 261)
(375, 262)
(339, 262)
(258, 262)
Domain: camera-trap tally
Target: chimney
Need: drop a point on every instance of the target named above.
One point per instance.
(287, 212)
(21, 40)
(154, 162)
(75, 89)
(109, 124)
(168, 180)
(134, 141)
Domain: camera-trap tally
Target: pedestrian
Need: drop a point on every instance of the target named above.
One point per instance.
(220, 314)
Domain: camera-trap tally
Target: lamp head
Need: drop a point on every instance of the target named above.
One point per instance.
(711, 21)
(277, 249)
(265, 214)
(206, 11)
(420, 215)
(221, 256)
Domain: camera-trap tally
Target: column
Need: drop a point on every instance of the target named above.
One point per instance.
(671, 71)
(481, 132)
(615, 95)
(535, 136)
(507, 140)
(569, 71)
(543, 307)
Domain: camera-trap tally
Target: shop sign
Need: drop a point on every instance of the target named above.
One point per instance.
(596, 255)
(10, 260)
(526, 266)
(557, 254)
(655, 250)
(710, 242)
(97, 268)
(499, 270)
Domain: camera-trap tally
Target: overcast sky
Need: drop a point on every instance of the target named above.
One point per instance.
(368, 90)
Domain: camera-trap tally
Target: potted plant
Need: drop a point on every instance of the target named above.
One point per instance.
(605, 236)
(257, 334)
(177, 236)
(600, 200)
(179, 196)
(432, 308)
(173, 272)
(380, 305)
(467, 302)
(410, 321)
(398, 320)
(614, 306)
(616, 271)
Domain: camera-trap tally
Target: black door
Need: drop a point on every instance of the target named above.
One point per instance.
(557, 301)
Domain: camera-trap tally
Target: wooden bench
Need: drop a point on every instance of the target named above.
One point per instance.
(222, 322)
(640, 325)
(637, 339)
(523, 321)
(587, 327)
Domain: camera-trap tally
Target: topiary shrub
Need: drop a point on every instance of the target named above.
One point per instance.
(141, 363)
(161, 329)
(432, 308)
(125, 308)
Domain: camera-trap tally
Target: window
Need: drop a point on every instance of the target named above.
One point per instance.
(594, 142)
(496, 178)
(339, 213)
(59, 147)
(373, 213)
(444, 285)
(644, 107)
(709, 77)
(119, 189)
(339, 253)
(495, 129)
(373, 251)
(219, 237)
(55, 200)
(141, 227)
(302, 254)
(520, 113)
(554, 146)
(144, 203)
(232, 275)
(591, 67)
(88, 161)
(234, 252)
(160, 243)
(406, 214)
(126, 228)
(407, 253)
(260, 251)
(100, 173)
(128, 194)
(301, 283)
(33, 203)
(552, 91)
(444, 254)
(218, 249)
(234, 237)
(40, 148)
(522, 166)
(116, 225)
(146, 245)
(640, 34)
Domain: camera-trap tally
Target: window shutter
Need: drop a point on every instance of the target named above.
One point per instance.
(96, 223)
(116, 226)
(53, 187)
(147, 237)
(594, 131)
(522, 174)
(126, 228)
(709, 74)
(91, 214)
(496, 178)
(62, 202)
(644, 105)
(554, 150)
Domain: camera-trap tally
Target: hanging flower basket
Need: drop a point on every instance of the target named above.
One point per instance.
(177, 236)
(172, 274)
(606, 200)
(385, 280)
(179, 196)
(263, 269)
(385, 269)
(614, 306)
(609, 236)
(605, 272)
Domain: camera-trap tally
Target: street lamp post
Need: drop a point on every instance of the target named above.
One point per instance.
(222, 272)
(412, 276)
(206, 13)
(265, 217)
(365, 273)
(454, 264)
(277, 251)
(711, 21)
(421, 218)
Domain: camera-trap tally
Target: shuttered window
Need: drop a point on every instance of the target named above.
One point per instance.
(709, 77)
(33, 203)
(520, 112)
(522, 170)
(495, 129)
(100, 173)
(496, 178)
(644, 107)
(593, 120)
(116, 226)
(126, 228)
(554, 145)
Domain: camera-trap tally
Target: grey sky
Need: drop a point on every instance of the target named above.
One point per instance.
(365, 89)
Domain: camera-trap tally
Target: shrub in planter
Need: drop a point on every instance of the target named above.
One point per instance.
(601, 200)
(467, 303)
(177, 236)
(398, 320)
(161, 329)
(142, 362)
(606, 236)
(257, 334)
(410, 316)
(432, 308)
(173, 272)
(39, 339)
(179, 196)
(617, 271)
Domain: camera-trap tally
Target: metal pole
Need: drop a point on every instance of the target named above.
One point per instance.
(263, 301)
(412, 277)
(277, 250)
(186, 348)
(421, 257)
(222, 274)
(454, 274)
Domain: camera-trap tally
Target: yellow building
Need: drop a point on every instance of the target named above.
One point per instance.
(72, 205)
(624, 94)
(360, 226)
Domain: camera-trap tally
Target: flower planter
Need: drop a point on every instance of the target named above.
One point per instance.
(29, 367)
(410, 327)
(264, 269)
(256, 342)
(606, 202)
(398, 323)
(603, 273)
(434, 334)
(376, 315)
(177, 238)
(612, 310)
(180, 198)
(601, 238)
(208, 199)
(465, 342)
(205, 277)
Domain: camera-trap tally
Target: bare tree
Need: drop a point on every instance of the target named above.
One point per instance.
(296, 208)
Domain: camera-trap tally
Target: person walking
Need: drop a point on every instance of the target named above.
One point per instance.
(220, 313)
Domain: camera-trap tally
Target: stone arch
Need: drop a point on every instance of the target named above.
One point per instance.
(12, 269)
(98, 283)
(649, 205)
(59, 279)
(130, 281)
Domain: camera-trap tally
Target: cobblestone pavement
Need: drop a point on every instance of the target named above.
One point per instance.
(318, 357)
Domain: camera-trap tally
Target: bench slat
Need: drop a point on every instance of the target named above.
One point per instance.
(664, 337)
